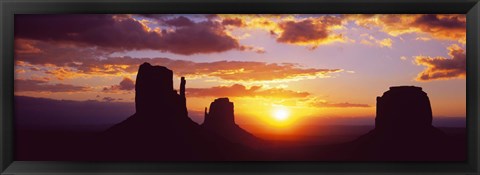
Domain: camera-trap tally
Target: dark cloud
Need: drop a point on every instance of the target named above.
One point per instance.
(180, 21)
(238, 90)
(122, 32)
(301, 32)
(433, 21)
(28, 85)
(126, 84)
(443, 68)
(237, 22)
(155, 16)
(202, 37)
(309, 31)
(443, 26)
(109, 99)
(110, 31)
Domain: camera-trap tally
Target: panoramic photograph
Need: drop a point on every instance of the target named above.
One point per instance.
(240, 87)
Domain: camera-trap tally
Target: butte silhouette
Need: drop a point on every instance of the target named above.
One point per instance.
(403, 130)
(161, 129)
(220, 119)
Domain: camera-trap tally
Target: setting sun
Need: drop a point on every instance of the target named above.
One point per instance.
(281, 114)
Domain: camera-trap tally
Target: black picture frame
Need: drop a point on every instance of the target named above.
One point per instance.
(8, 8)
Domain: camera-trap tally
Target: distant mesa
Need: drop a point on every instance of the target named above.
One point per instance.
(220, 120)
(403, 129)
(403, 106)
(220, 114)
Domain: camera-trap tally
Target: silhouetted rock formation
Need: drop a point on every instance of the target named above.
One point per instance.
(154, 93)
(403, 106)
(161, 129)
(403, 129)
(157, 103)
(220, 114)
(220, 120)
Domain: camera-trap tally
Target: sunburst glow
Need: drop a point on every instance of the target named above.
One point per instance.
(281, 114)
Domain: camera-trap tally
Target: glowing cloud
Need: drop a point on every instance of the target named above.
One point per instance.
(442, 26)
(238, 90)
(372, 41)
(311, 32)
(439, 68)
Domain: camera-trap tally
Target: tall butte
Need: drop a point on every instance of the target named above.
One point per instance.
(403, 129)
(157, 105)
(154, 94)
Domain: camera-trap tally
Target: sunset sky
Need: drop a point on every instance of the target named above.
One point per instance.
(308, 66)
